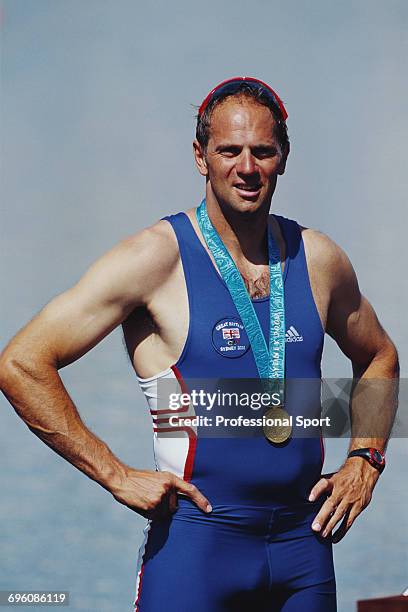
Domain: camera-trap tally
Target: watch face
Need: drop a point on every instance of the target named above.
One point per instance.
(378, 456)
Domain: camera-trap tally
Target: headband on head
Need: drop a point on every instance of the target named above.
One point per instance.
(229, 82)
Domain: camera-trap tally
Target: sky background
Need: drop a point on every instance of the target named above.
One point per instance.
(97, 121)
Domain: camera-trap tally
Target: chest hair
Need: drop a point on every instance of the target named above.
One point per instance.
(257, 288)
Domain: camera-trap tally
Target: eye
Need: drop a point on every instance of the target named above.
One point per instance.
(229, 151)
(264, 152)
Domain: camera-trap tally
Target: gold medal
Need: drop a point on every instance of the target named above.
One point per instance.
(281, 430)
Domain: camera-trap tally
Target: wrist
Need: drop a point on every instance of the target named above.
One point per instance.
(113, 474)
(372, 456)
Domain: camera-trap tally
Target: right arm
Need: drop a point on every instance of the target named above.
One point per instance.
(68, 327)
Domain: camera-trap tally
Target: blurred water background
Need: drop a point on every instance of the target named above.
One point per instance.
(96, 144)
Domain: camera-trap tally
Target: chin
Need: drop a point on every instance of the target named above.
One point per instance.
(248, 204)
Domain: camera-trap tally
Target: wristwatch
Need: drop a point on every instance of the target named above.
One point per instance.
(374, 457)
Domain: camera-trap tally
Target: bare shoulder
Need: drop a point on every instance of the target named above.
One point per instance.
(138, 263)
(326, 258)
(158, 239)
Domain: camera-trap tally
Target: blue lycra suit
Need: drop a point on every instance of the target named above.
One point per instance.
(255, 550)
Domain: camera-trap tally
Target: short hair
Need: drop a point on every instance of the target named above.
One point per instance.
(254, 91)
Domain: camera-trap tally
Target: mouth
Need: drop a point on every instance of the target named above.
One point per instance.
(248, 191)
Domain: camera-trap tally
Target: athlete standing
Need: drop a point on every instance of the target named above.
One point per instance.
(250, 530)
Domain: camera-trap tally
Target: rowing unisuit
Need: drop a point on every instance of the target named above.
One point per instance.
(258, 490)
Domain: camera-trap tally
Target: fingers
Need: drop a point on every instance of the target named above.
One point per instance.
(347, 522)
(330, 515)
(337, 515)
(327, 511)
(167, 506)
(349, 493)
(324, 485)
(173, 501)
(193, 493)
(154, 494)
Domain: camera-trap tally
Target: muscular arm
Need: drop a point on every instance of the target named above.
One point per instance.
(68, 327)
(353, 324)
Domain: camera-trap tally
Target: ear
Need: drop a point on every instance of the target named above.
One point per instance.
(200, 158)
(285, 154)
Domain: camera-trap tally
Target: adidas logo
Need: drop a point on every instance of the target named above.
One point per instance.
(292, 335)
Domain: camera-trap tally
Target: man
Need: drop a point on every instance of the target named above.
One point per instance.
(234, 524)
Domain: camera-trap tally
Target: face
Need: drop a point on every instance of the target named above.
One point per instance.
(243, 158)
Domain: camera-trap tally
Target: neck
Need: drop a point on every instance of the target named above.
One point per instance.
(243, 233)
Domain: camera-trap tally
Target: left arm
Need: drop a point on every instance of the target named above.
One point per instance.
(353, 324)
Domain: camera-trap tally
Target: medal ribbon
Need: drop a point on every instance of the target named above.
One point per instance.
(269, 362)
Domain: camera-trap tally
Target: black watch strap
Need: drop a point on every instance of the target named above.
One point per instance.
(374, 457)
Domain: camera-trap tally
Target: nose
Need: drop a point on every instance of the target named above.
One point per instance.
(246, 164)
